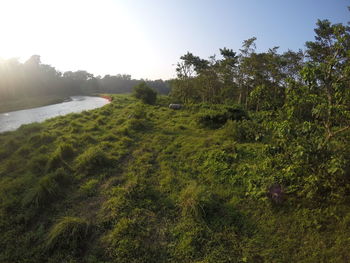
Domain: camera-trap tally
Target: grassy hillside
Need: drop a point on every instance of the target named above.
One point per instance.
(137, 183)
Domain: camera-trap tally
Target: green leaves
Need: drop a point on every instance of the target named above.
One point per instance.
(145, 93)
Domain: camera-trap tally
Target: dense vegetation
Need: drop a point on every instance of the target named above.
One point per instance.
(254, 168)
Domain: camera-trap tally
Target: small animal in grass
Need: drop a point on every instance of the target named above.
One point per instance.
(276, 193)
(175, 106)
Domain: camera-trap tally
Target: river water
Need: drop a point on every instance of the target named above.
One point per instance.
(12, 120)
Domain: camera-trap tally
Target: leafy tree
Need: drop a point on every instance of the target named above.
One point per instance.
(228, 73)
(184, 87)
(145, 93)
(326, 78)
(317, 107)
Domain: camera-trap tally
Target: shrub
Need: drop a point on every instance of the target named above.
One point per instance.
(244, 131)
(215, 117)
(217, 165)
(145, 93)
(212, 118)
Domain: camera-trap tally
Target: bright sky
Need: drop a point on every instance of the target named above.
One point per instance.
(145, 38)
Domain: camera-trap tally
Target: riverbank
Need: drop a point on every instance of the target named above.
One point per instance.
(131, 182)
(12, 120)
(23, 103)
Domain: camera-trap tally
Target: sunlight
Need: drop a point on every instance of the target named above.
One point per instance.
(74, 35)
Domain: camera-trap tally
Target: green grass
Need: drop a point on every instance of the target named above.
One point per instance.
(69, 233)
(139, 183)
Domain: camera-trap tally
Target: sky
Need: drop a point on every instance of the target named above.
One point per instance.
(145, 38)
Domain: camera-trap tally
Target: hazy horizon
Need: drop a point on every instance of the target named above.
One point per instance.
(146, 38)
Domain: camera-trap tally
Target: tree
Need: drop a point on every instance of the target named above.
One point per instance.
(327, 77)
(185, 87)
(315, 135)
(248, 49)
(228, 73)
(145, 93)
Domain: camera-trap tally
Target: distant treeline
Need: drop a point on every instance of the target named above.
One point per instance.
(255, 80)
(33, 78)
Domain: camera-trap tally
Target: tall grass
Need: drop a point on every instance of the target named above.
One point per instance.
(48, 189)
(93, 160)
(68, 233)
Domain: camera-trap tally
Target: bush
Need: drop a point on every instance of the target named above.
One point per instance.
(145, 93)
(215, 117)
(218, 165)
(244, 131)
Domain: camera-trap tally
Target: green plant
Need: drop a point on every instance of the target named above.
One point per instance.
(192, 200)
(66, 151)
(145, 93)
(244, 131)
(68, 233)
(215, 117)
(89, 188)
(94, 159)
(48, 189)
(38, 163)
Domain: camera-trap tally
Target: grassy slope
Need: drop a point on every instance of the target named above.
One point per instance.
(137, 183)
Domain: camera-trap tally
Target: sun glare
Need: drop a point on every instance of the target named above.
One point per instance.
(72, 35)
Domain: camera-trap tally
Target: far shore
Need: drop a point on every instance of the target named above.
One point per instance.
(23, 103)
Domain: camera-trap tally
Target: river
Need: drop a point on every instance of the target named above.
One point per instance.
(10, 121)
